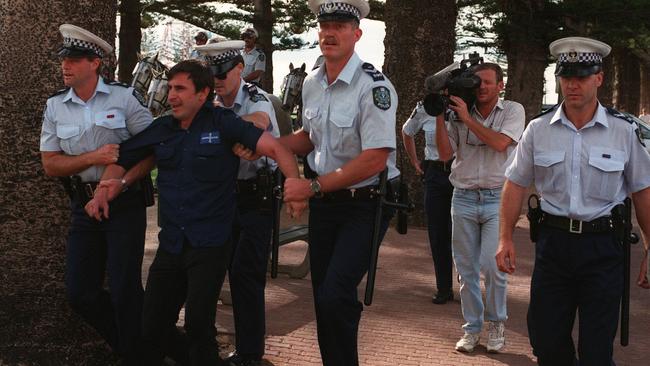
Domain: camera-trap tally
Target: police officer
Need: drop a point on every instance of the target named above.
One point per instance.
(196, 184)
(584, 159)
(254, 58)
(200, 39)
(437, 199)
(253, 223)
(349, 133)
(82, 125)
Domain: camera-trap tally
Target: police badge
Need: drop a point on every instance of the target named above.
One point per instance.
(381, 97)
(329, 6)
(572, 56)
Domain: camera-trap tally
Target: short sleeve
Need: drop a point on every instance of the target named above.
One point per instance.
(521, 169)
(236, 130)
(414, 123)
(514, 121)
(49, 139)
(377, 117)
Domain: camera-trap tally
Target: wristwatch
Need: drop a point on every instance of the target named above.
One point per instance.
(315, 187)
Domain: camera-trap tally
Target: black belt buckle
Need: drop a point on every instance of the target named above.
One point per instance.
(575, 226)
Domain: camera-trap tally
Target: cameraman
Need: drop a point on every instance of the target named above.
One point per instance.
(482, 136)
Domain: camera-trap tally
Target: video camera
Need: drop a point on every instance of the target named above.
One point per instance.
(458, 79)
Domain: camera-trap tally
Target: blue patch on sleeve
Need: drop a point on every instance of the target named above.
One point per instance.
(210, 138)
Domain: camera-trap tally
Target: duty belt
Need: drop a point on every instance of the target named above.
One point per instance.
(362, 193)
(600, 225)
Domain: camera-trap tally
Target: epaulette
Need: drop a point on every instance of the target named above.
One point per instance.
(253, 93)
(549, 110)
(59, 92)
(629, 120)
(114, 82)
(375, 74)
(620, 115)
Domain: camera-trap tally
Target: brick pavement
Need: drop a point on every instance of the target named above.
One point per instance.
(403, 327)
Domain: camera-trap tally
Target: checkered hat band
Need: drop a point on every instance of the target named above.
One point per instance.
(73, 42)
(580, 57)
(329, 8)
(226, 56)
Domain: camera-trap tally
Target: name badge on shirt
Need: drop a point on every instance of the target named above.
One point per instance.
(210, 138)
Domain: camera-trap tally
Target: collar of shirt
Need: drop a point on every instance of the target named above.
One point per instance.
(599, 117)
(499, 105)
(101, 88)
(345, 75)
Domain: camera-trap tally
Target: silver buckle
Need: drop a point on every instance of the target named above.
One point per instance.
(352, 190)
(573, 228)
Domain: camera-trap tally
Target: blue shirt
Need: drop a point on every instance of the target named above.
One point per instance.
(113, 114)
(197, 171)
(581, 174)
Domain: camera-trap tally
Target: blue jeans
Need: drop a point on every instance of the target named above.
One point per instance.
(475, 237)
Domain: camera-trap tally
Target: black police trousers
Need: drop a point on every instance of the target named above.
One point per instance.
(114, 246)
(247, 274)
(575, 272)
(193, 277)
(340, 235)
(437, 204)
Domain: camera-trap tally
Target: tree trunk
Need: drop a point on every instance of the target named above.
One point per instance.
(645, 88)
(526, 65)
(606, 90)
(263, 22)
(414, 50)
(130, 37)
(628, 85)
(526, 48)
(37, 326)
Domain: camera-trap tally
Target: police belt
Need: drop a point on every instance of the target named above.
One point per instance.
(443, 166)
(603, 224)
(352, 194)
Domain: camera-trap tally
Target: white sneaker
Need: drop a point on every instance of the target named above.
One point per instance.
(468, 342)
(496, 337)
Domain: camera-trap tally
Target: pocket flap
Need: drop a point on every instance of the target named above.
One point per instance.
(548, 158)
(110, 119)
(606, 160)
(341, 120)
(311, 113)
(67, 131)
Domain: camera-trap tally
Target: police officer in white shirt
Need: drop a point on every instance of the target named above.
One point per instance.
(584, 159)
(254, 58)
(82, 127)
(349, 136)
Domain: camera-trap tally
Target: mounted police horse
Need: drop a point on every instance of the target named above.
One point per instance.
(290, 100)
(150, 79)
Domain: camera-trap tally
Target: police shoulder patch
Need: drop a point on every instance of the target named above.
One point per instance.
(59, 92)
(375, 74)
(261, 56)
(381, 97)
(139, 97)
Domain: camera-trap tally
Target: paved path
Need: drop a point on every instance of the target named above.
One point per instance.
(403, 327)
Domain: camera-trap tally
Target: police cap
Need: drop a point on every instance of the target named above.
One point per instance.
(328, 10)
(78, 42)
(222, 56)
(578, 56)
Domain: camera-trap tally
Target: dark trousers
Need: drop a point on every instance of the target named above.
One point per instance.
(437, 204)
(247, 275)
(340, 235)
(114, 246)
(575, 272)
(193, 277)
